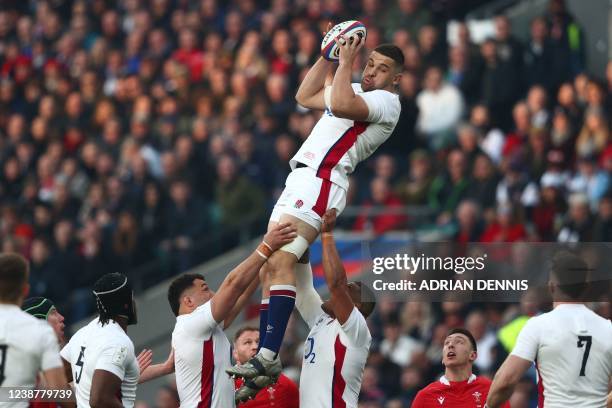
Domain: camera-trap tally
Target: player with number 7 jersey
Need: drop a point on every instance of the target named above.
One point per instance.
(570, 345)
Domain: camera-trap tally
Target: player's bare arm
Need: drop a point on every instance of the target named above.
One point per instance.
(310, 94)
(335, 275)
(240, 277)
(105, 386)
(506, 378)
(55, 378)
(151, 372)
(344, 102)
(241, 302)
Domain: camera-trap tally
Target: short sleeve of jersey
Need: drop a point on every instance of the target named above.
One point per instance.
(528, 341)
(381, 106)
(200, 321)
(50, 349)
(114, 358)
(356, 329)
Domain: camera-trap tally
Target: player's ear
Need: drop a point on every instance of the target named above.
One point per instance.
(25, 290)
(397, 78)
(473, 356)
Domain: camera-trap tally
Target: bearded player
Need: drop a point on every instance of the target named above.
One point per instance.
(358, 118)
(458, 387)
(283, 394)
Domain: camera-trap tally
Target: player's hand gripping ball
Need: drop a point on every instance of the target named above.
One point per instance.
(348, 29)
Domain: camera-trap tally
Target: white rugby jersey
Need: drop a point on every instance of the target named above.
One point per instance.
(334, 358)
(335, 146)
(572, 349)
(27, 346)
(201, 356)
(96, 347)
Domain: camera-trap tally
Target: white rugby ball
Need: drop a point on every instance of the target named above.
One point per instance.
(329, 48)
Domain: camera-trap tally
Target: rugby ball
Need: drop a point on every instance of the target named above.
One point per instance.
(349, 29)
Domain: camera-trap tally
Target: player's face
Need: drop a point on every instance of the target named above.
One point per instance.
(379, 73)
(56, 320)
(457, 351)
(201, 293)
(246, 345)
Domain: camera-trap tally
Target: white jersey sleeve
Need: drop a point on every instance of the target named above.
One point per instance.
(528, 341)
(114, 358)
(200, 322)
(307, 300)
(50, 350)
(381, 106)
(356, 329)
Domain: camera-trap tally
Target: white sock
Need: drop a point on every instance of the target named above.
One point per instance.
(267, 354)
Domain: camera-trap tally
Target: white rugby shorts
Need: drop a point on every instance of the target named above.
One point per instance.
(307, 197)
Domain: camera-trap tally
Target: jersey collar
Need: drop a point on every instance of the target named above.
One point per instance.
(445, 380)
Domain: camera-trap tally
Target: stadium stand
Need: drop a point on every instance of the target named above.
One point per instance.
(148, 137)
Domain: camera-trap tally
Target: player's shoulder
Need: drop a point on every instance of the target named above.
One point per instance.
(286, 383)
(29, 328)
(482, 381)
(432, 387)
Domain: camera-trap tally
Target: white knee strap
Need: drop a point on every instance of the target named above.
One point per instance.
(297, 247)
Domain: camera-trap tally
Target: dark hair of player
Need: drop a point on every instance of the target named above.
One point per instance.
(368, 300)
(13, 276)
(466, 333)
(393, 52)
(114, 298)
(570, 273)
(178, 286)
(243, 330)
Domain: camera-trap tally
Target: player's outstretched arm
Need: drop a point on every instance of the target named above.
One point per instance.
(105, 386)
(151, 372)
(242, 300)
(506, 378)
(344, 103)
(335, 275)
(240, 277)
(310, 94)
(56, 380)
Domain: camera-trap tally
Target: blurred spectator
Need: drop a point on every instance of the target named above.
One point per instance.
(483, 182)
(448, 189)
(493, 138)
(595, 134)
(547, 214)
(381, 199)
(538, 58)
(505, 228)
(537, 104)
(568, 41)
(469, 222)
(409, 14)
(440, 108)
(398, 347)
(476, 323)
(414, 188)
(241, 202)
(578, 225)
(602, 230)
(590, 181)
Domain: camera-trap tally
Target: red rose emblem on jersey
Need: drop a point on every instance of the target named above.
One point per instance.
(299, 204)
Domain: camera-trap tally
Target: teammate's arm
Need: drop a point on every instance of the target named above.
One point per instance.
(335, 275)
(506, 378)
(105, 387)
(344, 102)
(56, 380)
(158, 370)
(240, 277)
(242, 300)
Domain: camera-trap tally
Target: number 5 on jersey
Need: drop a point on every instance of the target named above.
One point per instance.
(79, 363)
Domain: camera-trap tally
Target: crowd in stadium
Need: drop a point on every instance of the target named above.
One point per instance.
(131, 131)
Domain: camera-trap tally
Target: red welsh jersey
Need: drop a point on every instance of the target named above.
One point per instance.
(283, 394)
(463, 394)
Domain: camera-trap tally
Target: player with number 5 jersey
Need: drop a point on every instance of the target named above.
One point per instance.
(104, 368)
(571, 346)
